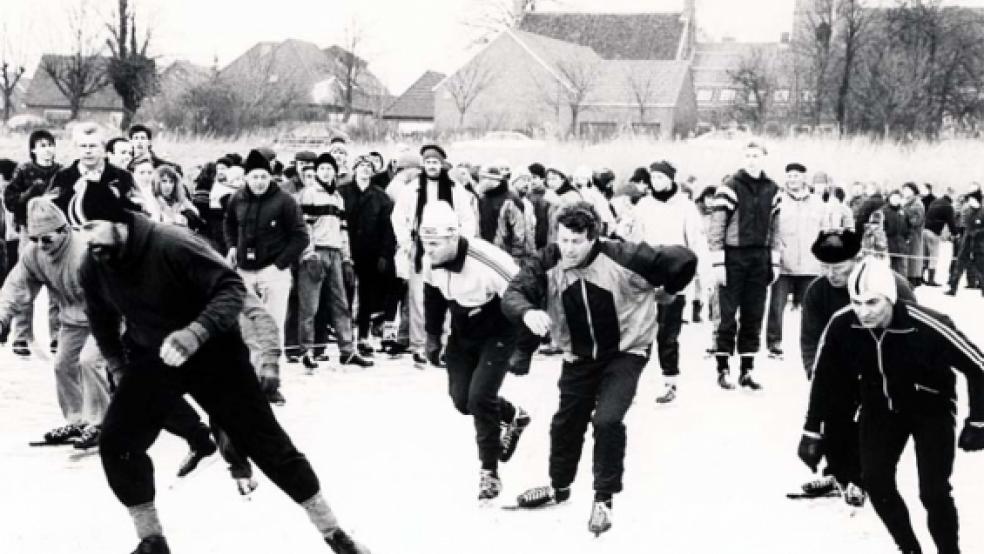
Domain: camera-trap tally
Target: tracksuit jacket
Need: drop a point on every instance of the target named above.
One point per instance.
(606, 305)
(745, 216)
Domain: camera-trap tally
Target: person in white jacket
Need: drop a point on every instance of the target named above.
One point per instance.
(667, 217)
(432, 185)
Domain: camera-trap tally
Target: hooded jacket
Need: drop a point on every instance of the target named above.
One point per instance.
(59, 271)
(604, 306)
(370, 227)
(270, 226)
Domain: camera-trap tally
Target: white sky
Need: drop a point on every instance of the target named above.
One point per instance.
(403, 37)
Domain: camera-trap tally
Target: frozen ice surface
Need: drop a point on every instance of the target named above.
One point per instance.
(707, 473)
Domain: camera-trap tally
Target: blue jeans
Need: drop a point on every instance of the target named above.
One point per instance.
(312, 273)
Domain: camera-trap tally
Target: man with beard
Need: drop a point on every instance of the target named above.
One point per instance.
(432, 185)
(666, 217)
(598, 300)
(839, 252)
(899, 357)
(30, 179)
(180, 303)
(744, 259)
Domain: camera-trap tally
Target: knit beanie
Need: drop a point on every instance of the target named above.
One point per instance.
(267, 152)
(43, 216)
(664, 167)
(363, 160)
(836, 245)
(872, 277)
(641, 175)
(255, 160)
(438, 220)
(326, 158)
(537, 170)
(433, 151)
(97, 202)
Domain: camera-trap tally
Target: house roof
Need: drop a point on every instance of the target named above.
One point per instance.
(636, 36)
(180, 76)
(713, 61)
(418, 100)
(44, 93)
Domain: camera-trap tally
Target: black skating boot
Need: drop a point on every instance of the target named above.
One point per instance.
(195, 456)
(724, 373)
(510, 436)
(601, 517)
(697, 306)
(341, 543)
(542, 496)
(154, 544)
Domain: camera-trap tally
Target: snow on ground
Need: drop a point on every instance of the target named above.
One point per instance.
(705, 474)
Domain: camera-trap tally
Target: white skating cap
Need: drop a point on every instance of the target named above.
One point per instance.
(872, 276)
(438, 220)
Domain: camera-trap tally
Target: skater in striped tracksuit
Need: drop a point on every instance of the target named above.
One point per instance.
(898, 357)
(469, 276)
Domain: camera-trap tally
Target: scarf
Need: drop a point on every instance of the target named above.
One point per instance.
(329, 187)
(665, 195)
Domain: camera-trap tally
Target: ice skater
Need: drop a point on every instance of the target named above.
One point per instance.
(180, 303)
(598, 300)
(898, 355)
(469, 276)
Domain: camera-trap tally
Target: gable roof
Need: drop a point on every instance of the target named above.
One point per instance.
(418, 100)
(44, 93)
(181, 76)
(632, 36)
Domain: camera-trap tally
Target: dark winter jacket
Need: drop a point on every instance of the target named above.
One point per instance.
(896, 229)
(746, 210)
(270, 227)
(870, 205)
(820, 302)
(941, 214)
(607, 304)
(904, 369)
(29, 180)
(928, 200)
(165, 279)
(370, 227)
(63, 184)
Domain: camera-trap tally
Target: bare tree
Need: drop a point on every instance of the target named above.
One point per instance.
(853, 32)
(348, 68)
(83, 72)
(642, 84)
(813, 47)
(9, 77)
(487, 18)
(756, 80)
(467, 84)
(131, 71)
(579, 76)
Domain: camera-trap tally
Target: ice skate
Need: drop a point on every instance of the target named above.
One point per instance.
(512, 432)
(88, 439)
(195, 456)
(309, 364)
(341, 543)
(154, 544)
(65, 434)
(723, 380)
(748, 383)
(246, 485)
(539, 497)
(489, 486)
(820, 487)
(601, 517)
(21, 349)
(669, 394)
(775, 353)
(854, 496)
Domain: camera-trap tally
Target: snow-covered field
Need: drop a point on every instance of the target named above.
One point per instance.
(399, 465)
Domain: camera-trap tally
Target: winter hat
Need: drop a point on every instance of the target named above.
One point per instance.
(796, 166)
(641, 175)
(255, 160)
(97, 202)
(363, 160)
(438, 220)
(836, 245)
(43, 216)
(433, 151)
(537, 170)
(664, 167)
(408, 159)
(305, 156)
(234, 158)
(267, 152)
(326, 158)
(554, 169)
(872, 277)
(603, 178)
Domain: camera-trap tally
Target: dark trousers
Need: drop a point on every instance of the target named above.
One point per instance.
(372, 295)
(220, 378)
(842, 451)
(291, 342)
(669, 317)
(969, 258)
(883, 438)
(748, 273)
(476, 368)
(779, 295)
(600, 392)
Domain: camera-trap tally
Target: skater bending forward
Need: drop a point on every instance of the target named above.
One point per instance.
(469, 276)
(180, 303)
(597, 298)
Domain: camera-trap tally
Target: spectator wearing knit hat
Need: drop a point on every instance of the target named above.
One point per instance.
(433, 184)
(799, 221)
(266, 234)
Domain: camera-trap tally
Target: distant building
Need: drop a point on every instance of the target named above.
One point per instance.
(413, 111)
(46, 100)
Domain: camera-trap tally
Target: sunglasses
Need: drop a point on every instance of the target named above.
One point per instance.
(49, 238)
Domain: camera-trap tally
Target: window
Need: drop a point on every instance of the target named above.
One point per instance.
(705, 95)
(598, 129)
(781, 96)
(650, 129)
(727, 95)
(56, 116)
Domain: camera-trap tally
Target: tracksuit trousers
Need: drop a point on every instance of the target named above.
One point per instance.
(742, 300)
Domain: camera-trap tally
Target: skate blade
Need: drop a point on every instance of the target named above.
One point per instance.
(203, 465)
(82, 454)
(36, 444)
(807, 496)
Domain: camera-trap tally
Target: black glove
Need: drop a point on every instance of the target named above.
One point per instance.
(519, 362)
(269, 384)
(810, 451)
(971, 438)
(433, 349)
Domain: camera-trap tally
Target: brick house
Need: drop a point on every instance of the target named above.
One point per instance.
(44, 99)
(627, 71)
(413, 111)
